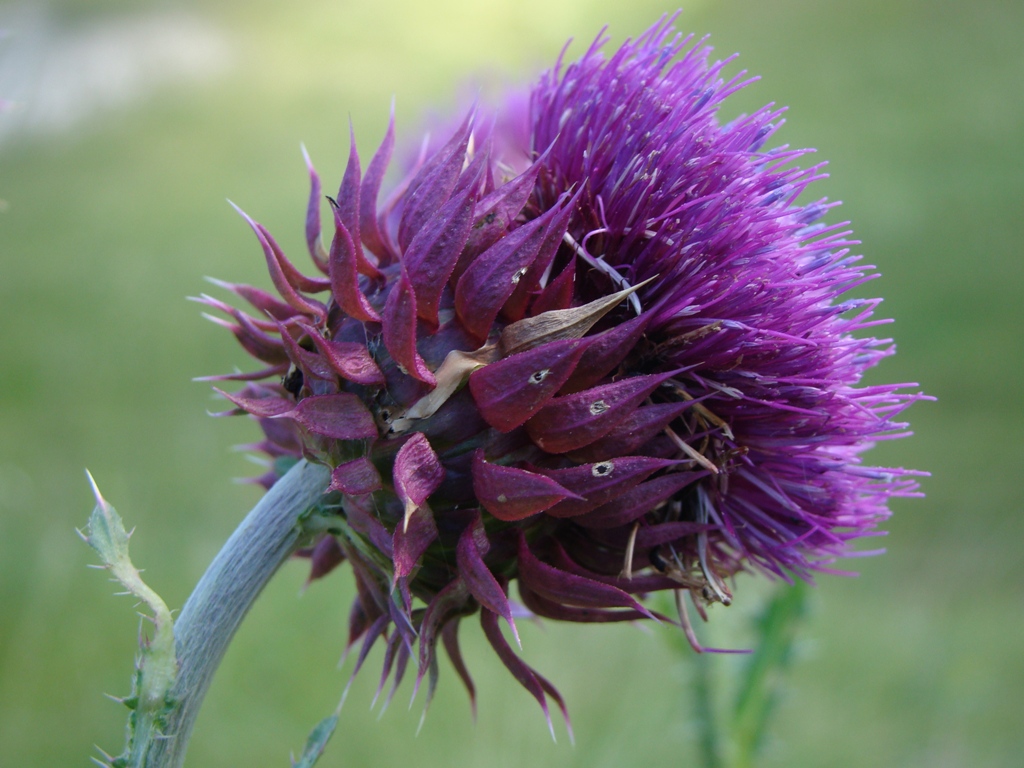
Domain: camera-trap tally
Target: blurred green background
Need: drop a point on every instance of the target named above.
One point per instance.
(133, 121)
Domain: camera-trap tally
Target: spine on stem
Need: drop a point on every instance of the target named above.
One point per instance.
(175, 668)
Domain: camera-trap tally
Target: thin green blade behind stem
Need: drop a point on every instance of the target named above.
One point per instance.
(704, 715)
(761, 679)
(317, 741)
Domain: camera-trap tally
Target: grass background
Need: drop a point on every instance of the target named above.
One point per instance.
(109, 222)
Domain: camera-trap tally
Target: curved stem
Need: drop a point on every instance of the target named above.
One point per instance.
(270, 533)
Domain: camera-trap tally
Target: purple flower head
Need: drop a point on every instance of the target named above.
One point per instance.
(593, 344)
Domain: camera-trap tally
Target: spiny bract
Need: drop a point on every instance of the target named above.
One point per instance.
(592, 344)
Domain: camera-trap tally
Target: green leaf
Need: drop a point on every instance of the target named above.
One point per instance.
(761, 679)
(316, 742)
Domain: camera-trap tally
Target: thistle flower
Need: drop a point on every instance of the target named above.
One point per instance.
(594, 344)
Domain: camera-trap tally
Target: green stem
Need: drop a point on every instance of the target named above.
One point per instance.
(270, 533)
(759, 689)
(704, 712)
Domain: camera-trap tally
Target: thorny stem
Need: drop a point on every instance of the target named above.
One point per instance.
(270, 533)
